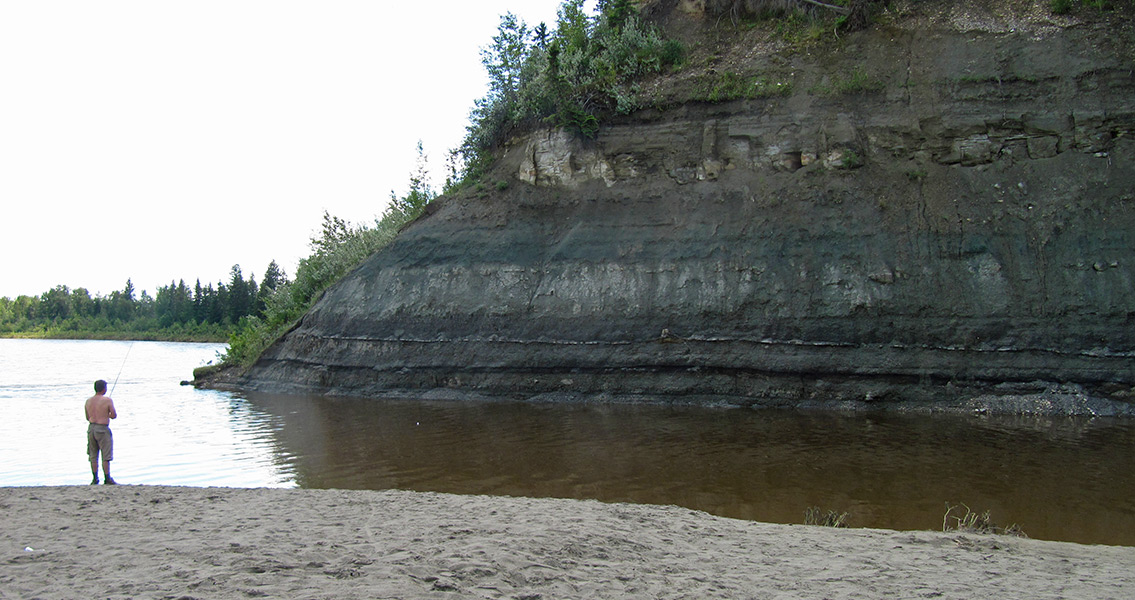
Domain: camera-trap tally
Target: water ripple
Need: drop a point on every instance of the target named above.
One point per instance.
(1066, 479)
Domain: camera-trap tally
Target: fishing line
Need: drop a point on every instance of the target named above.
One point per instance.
(128, 348)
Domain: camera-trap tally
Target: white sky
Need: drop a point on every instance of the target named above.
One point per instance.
(159, 140)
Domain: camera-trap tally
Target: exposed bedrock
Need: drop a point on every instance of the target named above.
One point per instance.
(961, 232)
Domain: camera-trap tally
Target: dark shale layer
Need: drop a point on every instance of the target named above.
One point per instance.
(940, 215)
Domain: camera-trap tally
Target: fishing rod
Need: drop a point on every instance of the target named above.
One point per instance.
(128, 348)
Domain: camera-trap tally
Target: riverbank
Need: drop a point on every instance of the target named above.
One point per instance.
(1031, 398)
(120, 336)
(145, 541)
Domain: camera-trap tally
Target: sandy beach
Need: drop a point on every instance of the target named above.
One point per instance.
(181, 542)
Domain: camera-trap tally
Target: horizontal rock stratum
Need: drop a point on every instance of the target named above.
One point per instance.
(955, 230)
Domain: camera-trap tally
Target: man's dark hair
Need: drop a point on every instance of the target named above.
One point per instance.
(100, 387)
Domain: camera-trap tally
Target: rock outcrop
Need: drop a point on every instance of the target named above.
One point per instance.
(938, 213)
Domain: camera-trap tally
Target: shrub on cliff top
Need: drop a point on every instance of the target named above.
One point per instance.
(566, 76)
(588, 66)
(854, 14)
(338, 248)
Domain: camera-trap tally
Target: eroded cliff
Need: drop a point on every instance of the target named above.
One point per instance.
(940, 213)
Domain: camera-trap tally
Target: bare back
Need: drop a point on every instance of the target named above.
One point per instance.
(100, 409)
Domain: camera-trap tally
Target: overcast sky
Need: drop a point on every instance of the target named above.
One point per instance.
(158, 140)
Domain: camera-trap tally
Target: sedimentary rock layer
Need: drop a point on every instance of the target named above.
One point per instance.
(959, 223)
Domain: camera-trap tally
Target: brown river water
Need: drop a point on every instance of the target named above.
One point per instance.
(1059, 479)
(1068, 479)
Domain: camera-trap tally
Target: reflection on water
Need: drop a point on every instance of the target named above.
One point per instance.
(1064, 479)
(166, 433)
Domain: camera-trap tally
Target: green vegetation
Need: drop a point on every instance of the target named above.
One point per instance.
(802, 30)
(567, 76)
(249, 315)
(589, 67)
(571, 75)
(585, 68)
(855, 82)
(961, 518)
(814, 515)
(726, 86)
(957, 518)
(800, 22)
(1063, 7)
(177, 312)
(339, 248)
(851, 159)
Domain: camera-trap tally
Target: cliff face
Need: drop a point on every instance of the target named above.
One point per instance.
(941, 209)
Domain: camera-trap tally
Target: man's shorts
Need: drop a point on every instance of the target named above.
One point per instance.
(99, 440)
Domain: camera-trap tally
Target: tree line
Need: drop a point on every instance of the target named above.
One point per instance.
(176, 311)
(246, 313)
(562, 76)
(339, 247)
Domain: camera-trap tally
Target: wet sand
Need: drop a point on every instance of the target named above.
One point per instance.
(180, 542)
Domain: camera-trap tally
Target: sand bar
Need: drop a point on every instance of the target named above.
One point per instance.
(180, 542)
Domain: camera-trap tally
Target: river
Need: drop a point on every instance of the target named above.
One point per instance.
(1062, 478)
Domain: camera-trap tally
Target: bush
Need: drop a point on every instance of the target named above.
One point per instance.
(961, 518)
(338, 249)
(814, 515)
(567, 77)
(1063, 7)
(728, 86)
(673, 54)
(1098, 4)
(855, 82)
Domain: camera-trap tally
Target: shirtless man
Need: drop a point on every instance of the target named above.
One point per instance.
(99, 410)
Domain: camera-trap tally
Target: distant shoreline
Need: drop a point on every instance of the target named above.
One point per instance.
(126, 336)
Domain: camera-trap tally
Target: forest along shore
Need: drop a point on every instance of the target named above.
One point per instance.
(221, 542)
